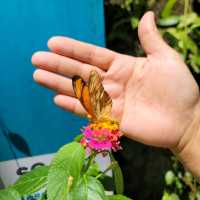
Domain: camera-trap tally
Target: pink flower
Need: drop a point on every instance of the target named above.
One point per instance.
(101, 137)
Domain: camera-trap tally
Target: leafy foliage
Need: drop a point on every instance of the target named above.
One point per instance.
(33, 181)
(9, 194)
(182, 36)
(181, 30)
(65, 171)
(118, 177)
(72, 175)
(88, 188)
(180, 184)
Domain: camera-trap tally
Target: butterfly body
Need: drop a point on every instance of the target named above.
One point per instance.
(93, 97)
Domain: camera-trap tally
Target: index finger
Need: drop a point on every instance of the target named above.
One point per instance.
(88, 53)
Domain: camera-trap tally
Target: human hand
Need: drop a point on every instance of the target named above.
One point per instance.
(154, 97)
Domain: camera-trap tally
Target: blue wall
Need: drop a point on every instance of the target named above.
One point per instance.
(26, 108)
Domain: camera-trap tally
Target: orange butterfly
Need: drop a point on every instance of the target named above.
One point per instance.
(93, 97)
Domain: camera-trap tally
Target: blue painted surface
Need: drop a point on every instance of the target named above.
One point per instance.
(26, 108)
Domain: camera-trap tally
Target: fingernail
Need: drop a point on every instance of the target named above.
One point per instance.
(152, 16)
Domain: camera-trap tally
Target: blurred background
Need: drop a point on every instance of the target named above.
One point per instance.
(32, 127)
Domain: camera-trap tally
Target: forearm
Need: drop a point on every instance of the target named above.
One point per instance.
(188, 149)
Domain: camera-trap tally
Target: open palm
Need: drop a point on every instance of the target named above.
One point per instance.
(153, 97)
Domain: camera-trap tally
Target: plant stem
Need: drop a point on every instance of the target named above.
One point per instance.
(110, 167)
(91, 160)
(186, 7)
(186, 12)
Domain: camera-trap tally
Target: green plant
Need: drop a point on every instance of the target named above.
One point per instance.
(182, 33)
(180, 30)
(180, 184)
(72, 175)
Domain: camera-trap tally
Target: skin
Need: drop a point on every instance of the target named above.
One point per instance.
(155, 98)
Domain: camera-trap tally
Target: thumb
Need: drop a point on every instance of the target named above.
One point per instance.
(149, 36)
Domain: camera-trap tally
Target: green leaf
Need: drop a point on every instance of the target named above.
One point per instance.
(32, 181)
(134, 22)
(165, 196)
(196, 23)
(187, 20)
(65, 170)
(168, 8)
(191, 45)
(195, 63)
(78, 138)
(176, 33)
(93, 170)
(9, 194)
(169, 21)
(174, 197)
(118, 197)
(185, 41)
(118, 177)
(169, 177)
(88, 188)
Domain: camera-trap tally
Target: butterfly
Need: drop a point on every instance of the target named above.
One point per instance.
(93, 97)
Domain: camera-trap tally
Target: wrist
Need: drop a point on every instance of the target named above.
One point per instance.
(188, 148)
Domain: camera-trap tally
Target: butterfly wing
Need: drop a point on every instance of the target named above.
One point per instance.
(99, 98)
(82, 93)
